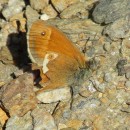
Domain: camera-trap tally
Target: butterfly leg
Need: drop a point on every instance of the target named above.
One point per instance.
(43, 77)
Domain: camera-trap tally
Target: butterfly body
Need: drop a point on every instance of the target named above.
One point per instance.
(58, 58)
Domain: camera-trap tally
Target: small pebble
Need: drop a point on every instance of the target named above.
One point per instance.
(127, 84)
(128, 75)
(91, 88)
(107, 77)
(44, 17)
(101, 87)
(107, 46)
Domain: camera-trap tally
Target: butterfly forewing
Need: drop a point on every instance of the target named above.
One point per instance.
(44, 38)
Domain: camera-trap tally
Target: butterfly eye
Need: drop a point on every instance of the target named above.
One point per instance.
(43, 33)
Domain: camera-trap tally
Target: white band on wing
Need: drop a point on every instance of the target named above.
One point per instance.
(48, 57)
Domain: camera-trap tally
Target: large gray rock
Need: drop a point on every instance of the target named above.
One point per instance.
(20, 123)
(119, 29)
(108, 11)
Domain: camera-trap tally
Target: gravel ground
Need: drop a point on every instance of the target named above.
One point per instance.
(98, 101)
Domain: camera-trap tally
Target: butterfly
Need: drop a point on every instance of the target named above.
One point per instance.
(57, 58)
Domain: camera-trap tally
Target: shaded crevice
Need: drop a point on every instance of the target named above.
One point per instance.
(50, 2)
(55, 108)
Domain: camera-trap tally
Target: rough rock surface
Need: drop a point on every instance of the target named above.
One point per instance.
(39, 4)
(31, 14)
(108, 11)
(18, 97)
(116, 14)
(13, 8)
(20, 123)
(53, 95)
(78, 9)
(3, 117)
(5, 73)
(43, 120)
(60, 5)
(6, 30)
(49, 11)
(5, 55)
(119, 29)
(2, 3)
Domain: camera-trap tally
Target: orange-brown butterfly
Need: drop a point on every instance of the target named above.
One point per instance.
(57, 57)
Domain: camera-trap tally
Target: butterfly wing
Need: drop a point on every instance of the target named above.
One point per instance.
(43, 38)
(38, 42)
(65, 46)
(60, 72)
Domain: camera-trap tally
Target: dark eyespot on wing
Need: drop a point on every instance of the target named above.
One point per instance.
(43, 33)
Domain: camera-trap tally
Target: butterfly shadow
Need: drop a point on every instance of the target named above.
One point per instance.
(17, 45)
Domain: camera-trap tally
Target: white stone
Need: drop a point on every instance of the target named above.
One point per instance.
(55, 95)
(44, 17)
